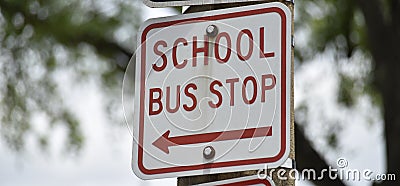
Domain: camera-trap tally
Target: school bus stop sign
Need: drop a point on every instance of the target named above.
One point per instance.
(212, 92)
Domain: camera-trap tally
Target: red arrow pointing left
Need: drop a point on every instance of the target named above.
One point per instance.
(164, 141)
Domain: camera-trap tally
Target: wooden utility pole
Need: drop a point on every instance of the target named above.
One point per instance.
(190, 180)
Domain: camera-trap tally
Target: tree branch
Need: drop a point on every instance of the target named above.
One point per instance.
(379, 34)
(395, 11)
(308, 158)
(51, 28)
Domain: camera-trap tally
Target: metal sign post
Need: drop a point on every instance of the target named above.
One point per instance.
(191, 180)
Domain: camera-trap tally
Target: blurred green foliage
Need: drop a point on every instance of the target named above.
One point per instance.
(41, 38)
(337, 23)
(337, 26)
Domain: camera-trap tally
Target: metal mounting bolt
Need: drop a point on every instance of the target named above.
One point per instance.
(212, 30)
(208, 152)
(293, 42)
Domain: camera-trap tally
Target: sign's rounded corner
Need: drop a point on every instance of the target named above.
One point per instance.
(281, 5)
(146, 27)
(282, 157)
(139, 170)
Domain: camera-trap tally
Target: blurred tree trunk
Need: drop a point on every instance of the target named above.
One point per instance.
(384, 39)
(389, 84)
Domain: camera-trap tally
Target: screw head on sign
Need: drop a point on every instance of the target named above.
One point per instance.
(212, 30)
(208, 152)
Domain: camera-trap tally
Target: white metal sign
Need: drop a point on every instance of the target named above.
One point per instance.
(212, 92)
(248, 180)
(169, 3)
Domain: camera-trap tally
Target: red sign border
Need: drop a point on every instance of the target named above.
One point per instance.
(283, 149)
